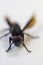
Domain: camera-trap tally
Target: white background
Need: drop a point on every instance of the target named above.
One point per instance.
(21, 11)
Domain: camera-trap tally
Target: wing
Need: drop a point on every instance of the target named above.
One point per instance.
(30, 23)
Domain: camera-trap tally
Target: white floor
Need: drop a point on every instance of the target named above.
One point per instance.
(21, 10)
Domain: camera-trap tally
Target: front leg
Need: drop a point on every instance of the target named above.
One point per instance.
(10, 39)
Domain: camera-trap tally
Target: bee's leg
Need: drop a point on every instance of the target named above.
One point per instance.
(26, 48)
(10, 39)
(25, 45)
(31, 36)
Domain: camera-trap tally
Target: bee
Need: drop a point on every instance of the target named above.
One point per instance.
(17, 34)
